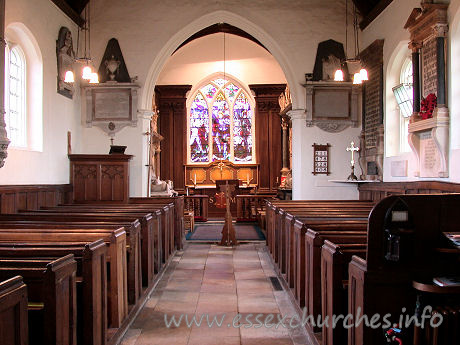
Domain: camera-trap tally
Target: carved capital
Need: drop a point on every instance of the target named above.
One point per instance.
(297, 114)
(415, 46)
(440, 30)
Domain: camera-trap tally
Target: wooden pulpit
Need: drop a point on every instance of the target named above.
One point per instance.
(100, 178)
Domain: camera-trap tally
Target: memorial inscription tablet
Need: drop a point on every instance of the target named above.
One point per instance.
(429, 156)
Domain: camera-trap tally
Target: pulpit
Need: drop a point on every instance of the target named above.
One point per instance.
(97, 178)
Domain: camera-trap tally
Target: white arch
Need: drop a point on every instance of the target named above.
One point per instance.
(203, 22)
(18, 33)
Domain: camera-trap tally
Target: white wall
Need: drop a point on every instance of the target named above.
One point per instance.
(60, 114)
(389, 25)
(149, 32)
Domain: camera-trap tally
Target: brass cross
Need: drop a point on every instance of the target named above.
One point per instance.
(221, 166)
(353, 149)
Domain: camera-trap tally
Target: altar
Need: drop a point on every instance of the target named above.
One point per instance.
(201, 179)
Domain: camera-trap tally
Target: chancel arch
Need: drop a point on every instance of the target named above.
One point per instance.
(209, 19)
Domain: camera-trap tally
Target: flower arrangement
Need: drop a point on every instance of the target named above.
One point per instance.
(427, 106)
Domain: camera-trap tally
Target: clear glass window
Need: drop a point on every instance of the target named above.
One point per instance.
(15, 97)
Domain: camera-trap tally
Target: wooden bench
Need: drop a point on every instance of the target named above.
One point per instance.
(163, 229)
(281, 236)
(178, 217)
(151, 231)
(91, 281)
(306, 250)
(51, 290)
(115, 241)
(130, 223)
(14, 328)
(334, 286)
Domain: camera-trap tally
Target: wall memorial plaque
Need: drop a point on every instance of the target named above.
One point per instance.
(111, 106)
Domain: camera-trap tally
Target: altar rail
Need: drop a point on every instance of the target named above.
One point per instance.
(247, 206)
(32, 197)
(199, 205)
(379, 190)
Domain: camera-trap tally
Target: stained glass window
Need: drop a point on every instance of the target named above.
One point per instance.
(242, 135)
(221, 123)
(199, 129)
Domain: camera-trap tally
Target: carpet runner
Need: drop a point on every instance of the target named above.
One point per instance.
(212, 231)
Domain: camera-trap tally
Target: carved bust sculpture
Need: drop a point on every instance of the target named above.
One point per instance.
(330, 65)
(65, 59)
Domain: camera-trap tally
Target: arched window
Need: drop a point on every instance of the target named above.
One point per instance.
(404, 97)
(15, 96)
(221, 123)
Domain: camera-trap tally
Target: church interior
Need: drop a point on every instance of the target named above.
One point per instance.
(229, 172)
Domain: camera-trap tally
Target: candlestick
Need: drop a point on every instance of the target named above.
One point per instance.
(247, 179)
(194, 180)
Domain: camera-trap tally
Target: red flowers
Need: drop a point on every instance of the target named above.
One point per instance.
(427, 106)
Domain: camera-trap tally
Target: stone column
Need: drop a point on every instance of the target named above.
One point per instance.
(440, 31)
(298, 121)
(415, 47)
(4, 142)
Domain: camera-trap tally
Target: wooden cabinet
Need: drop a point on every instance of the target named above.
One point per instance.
(97, 178)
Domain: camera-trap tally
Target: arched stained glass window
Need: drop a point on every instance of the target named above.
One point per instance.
(221, 124)
(199, 129)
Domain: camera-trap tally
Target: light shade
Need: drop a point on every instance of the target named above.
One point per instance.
(69, 77)
(94, 78)
(338, 76)
(86, 73)
(363, 73)
(357, 78)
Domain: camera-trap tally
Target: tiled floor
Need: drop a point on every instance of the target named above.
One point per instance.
(229, 284)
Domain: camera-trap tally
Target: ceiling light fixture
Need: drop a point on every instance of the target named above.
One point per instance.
(87, 72)
(354, 64)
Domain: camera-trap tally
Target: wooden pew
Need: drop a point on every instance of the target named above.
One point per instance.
(334, 286)
(273, 208)
(14, 328)
(314, 240)
(309, 251)
(281, 237)
(51, 293)
(91, 281)
(178, 218)
(115, 241)
(385, 281)
(130, 223)
(165, 229)
(151, 231)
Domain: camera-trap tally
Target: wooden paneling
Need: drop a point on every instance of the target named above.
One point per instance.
(98, 178)
(378, 191)
(32, 197)
(268, 135)
(171, 102)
